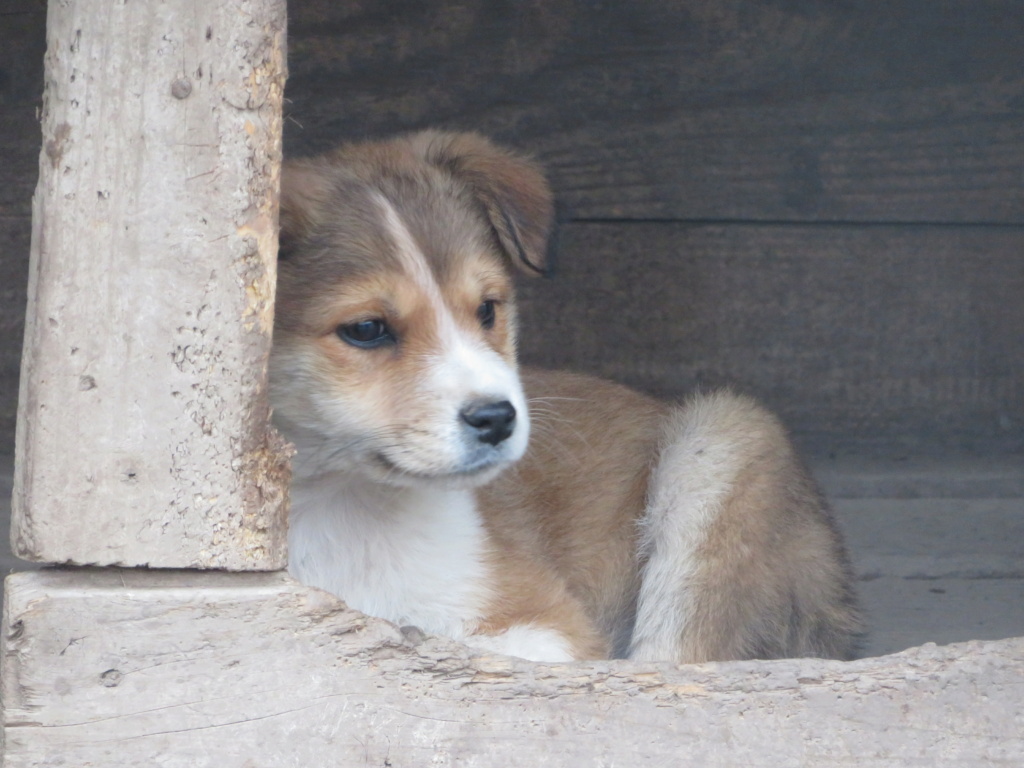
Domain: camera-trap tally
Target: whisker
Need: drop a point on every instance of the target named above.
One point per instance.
(550, 422)
(553, 398)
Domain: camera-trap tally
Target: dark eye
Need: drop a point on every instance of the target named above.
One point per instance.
(485, 314)
(366, 334)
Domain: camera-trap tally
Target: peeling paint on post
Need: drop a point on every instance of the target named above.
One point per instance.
(143, 433)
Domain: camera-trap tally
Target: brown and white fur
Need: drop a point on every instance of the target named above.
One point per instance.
(544, 515)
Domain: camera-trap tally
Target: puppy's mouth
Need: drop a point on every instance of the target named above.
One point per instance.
(468, 474)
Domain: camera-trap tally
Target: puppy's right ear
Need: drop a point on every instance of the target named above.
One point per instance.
(304, 193)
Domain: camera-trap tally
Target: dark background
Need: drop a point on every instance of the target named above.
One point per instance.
(819, 203)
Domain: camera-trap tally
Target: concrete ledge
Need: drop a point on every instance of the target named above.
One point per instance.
(114, 667)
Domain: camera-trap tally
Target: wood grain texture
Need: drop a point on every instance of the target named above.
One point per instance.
(22, 45)
(923, 540)
(707, 109)
(143, 431)
(887, 334)
(113, 668)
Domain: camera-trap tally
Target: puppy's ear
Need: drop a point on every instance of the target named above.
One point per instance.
(511, 188)
(304, 193)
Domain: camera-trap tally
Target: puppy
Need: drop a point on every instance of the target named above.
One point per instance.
(622, 527)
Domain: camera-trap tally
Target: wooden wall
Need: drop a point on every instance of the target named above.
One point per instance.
(820, 203)
(22, 44)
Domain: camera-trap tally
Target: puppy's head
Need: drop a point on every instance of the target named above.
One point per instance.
(394, 347)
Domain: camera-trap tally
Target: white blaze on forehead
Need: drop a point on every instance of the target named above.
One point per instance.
(415, 265)
(407, 250)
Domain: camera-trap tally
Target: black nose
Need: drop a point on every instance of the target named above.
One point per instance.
(491, 422)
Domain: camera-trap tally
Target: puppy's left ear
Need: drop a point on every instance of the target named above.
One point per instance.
(305, 191)
(512, 189)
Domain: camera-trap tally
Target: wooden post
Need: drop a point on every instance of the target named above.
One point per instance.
(142, 425)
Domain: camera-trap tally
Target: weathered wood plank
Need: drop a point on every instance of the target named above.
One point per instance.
(885, 334)
(114, 667)
(14, 247)
(22, 45)
(922, 477)
(924, 539)
(698, 110)
(936, 569)
(142, 433)
(942, 610)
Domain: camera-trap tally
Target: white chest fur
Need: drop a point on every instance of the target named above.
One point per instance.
(412, 556)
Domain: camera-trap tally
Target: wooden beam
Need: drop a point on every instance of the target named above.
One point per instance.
(111, 668)
(142, 432)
